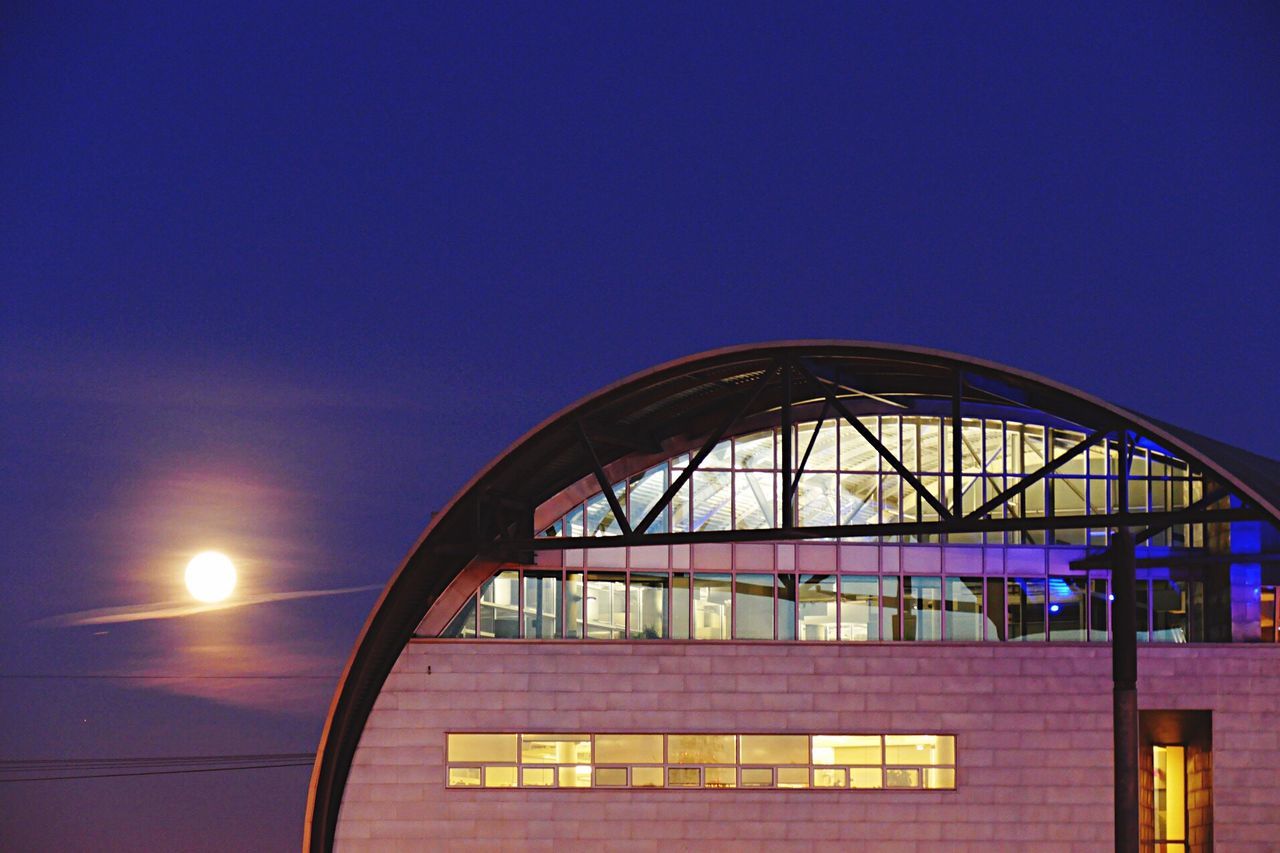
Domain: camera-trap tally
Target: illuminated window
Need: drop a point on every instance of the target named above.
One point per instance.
(694, 760)
(1170, 806)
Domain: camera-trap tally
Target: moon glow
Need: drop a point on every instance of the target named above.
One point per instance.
(210, 576)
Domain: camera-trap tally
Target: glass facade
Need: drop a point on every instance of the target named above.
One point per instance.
(828, 607)
(845, 481)
(701, 760)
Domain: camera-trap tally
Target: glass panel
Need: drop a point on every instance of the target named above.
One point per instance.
(753, 500)
(817, 500)
(721, 456)
(754, 451)
(606, 605)
(721, 777)
(574, 777)
(919, 749)
(1099, 607)
(859, 608)
(846, 749)
(600, 518)
(1066, 609)
(481, 747)
(995, 609)
(712, 496)
(757, 777)
(858, 503)
(1026, 608)
(684, 777)
(611, 777)
(680, 606)
(499, 603)
(645, 492)
(541, 605)
(823, 455)
(648, 596)
(646, 777)
(830, 777)
(679, 509)
(817, 607)
(940, 777)
(922, 608)
(964, 609)
(754, 605)
(464, 777)
(573, 522)
(629, 749)
(1169, 605)
(702, 749)
(554, 749)
(891, 625)
(866, 777)
(775, 749)
(573, 595)
(793, 777)
(856, 453)
(786, 606)
(538, 777)
(464, 624)
(900, 777)
(712, 606)
(971, 451)
(500, 777)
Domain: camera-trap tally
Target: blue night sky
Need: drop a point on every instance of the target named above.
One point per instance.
(277, 279)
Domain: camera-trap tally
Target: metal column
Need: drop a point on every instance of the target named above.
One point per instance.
(1124, 674)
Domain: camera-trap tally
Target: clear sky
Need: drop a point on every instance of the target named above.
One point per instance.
(278, 278)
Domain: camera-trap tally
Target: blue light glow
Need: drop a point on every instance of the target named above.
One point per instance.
(1054, 608)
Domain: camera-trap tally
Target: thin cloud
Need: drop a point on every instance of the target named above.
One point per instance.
(178, 609)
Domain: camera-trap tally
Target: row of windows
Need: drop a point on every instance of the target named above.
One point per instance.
(654, 605)
(701, 761)
(738, 485)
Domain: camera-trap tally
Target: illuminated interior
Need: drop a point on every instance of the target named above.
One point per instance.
(685, 760)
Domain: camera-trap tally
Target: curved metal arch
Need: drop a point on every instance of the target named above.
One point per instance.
(642, 412)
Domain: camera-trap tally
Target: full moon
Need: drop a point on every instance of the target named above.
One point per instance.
(211, 576)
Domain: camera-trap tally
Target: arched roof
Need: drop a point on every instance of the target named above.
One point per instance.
(652, 409)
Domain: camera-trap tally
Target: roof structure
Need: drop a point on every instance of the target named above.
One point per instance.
(678, 407)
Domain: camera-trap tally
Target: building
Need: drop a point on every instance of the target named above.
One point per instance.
(825, 594)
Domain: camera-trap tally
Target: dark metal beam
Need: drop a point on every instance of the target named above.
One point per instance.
(813, 439)
(895, 463)
(605, 485)
(1031, 479)
(1124, 676)
(967, 524)
(707, 446)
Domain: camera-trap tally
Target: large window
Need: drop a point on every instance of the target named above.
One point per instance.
(824, 607)
(701, 760)
(846, 481)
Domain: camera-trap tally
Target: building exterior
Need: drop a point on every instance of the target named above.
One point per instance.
(825, 594)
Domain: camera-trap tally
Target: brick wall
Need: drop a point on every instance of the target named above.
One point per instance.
(1033, 724)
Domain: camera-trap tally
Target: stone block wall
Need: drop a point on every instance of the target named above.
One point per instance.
(1033, 728)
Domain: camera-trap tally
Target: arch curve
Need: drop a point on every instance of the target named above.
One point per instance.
(648, 414)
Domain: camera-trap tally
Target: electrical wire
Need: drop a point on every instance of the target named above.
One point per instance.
(55, 769)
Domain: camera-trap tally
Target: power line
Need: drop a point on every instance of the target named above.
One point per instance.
(158, 772)
(122, 677)
(53, 769)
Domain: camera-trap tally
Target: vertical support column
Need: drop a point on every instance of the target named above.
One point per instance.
(1124, 675)
(957, 447)
(788, 488)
